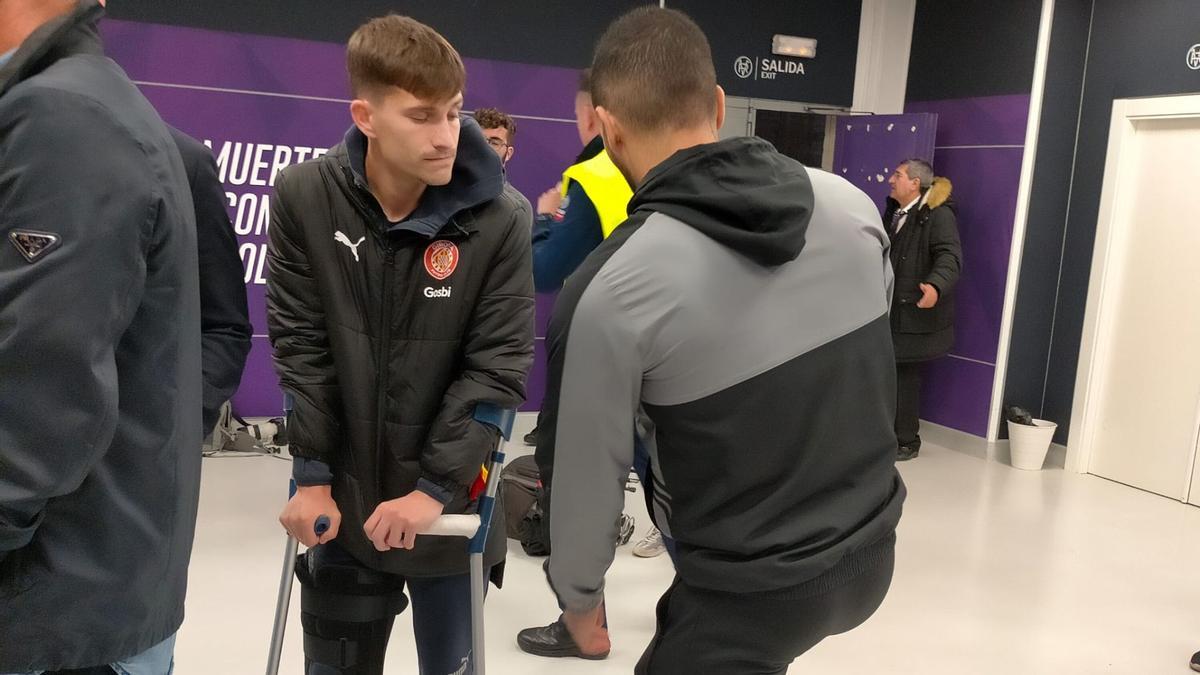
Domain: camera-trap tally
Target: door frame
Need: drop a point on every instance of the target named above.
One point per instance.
(1090, 379)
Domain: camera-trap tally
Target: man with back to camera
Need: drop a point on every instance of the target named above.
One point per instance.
(224, 317)
(500, 130)
(572, 219)
(100, 356)
(400, 296)
(574, 216)
(743, 306)
(927, 258)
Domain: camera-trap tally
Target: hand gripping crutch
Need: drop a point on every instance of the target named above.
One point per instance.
(283, 601)
(474, 527)
(321, 526)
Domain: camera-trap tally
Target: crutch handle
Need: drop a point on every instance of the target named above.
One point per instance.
(454, 525)
(501, 418)
(321, 526)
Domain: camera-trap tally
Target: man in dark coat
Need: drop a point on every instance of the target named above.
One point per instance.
(224, 318)
(100, 376)
(927, 260)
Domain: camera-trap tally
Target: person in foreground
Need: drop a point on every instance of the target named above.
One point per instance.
(100, 356)
(400, 297)
(738, 323)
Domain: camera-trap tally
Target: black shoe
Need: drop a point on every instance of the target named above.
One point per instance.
(531, 437)
(625, 526)
(1196, 662)
(554, 641)
(907, 452)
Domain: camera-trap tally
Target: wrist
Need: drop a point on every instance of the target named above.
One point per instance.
(434, 491)
(315, 490)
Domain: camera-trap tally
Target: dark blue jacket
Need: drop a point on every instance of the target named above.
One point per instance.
(561, 241)
(224, 319)
(100, 381)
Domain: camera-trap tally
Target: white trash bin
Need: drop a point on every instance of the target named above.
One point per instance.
(1029, 444)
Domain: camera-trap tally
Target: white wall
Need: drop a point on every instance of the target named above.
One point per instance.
(884, 43)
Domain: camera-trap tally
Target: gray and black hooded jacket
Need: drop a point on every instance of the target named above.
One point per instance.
(738, 320)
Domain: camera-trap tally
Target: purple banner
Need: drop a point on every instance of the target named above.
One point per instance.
(867, 148)
(957, 394)
(264, 103)
(980, 149)
(987, 120)
(985, 191)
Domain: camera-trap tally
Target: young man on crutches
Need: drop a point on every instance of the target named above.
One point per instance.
(400, 297)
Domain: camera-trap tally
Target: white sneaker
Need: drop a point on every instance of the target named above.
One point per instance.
(651, 545)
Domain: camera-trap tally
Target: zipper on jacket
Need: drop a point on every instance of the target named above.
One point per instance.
(381, 381)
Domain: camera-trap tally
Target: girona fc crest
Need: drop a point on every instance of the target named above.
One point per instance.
(441, 259)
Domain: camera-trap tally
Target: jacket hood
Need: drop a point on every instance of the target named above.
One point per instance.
(71, 33)
(939, 193)
(740, 192)
(477, 178)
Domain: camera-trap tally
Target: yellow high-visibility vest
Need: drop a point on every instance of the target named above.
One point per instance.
(605, 186)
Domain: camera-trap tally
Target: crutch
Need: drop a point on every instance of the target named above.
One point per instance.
(321, 526)
(474, 527)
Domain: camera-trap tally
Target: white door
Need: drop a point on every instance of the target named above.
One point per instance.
(1142, 337)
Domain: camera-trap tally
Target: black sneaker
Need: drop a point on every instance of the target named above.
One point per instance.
(907, 452)
(1196, 662)
(625, 529)
(531, 437)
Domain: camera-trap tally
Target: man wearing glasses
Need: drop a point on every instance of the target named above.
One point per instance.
(500, 130)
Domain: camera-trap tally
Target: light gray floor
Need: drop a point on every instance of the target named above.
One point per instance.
(999, 572)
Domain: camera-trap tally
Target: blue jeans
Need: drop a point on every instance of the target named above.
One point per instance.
(158, 660)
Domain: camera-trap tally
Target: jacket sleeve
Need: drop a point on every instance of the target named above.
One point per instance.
(68, 170)
(559, 246)
(296, 325)
(224, 317)
(497, 353)
(945, 250)
(598, 403)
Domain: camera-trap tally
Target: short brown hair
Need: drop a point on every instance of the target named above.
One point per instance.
(491, 118)
(398, 51)
(585, 81)
(653, 69)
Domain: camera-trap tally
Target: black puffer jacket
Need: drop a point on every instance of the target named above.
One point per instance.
(388, 334)
(926, 251)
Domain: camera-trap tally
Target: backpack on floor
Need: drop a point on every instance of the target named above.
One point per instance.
(519, 484)
(523, 497)
(520, 491)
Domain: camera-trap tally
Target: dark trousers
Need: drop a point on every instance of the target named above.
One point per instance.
(441, 608)
(719, 633)
(641, 466)
(908, 404)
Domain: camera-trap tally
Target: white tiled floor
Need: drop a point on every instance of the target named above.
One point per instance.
(999, 572)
